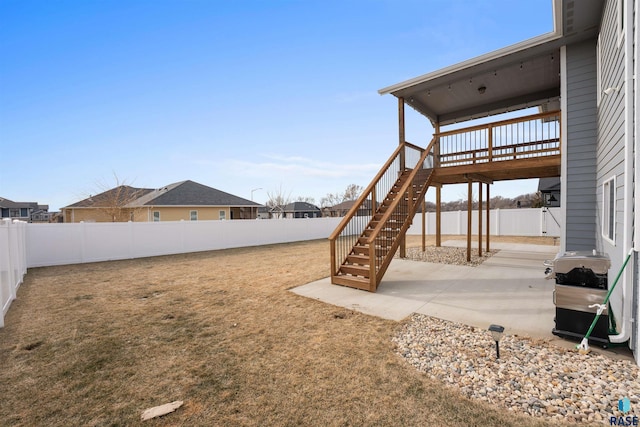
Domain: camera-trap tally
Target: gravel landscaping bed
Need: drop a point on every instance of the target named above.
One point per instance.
(531, 376)
(448, 255)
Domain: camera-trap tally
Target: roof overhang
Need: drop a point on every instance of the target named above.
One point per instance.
(523, 75)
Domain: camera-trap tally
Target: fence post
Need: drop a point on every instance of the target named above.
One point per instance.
(14, 256)
(498, 222)
(83, 238)
(131, 240)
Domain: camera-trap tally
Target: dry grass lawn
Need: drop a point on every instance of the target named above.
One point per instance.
(96, 344)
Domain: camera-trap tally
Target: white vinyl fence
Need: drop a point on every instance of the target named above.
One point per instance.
(59, 244)
(503, 222)
(13, 261)
(25, 245)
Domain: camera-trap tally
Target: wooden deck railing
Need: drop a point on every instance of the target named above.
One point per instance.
(521, 138)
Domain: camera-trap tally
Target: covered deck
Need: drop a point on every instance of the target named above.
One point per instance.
(514, 80)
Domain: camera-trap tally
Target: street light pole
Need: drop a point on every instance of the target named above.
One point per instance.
(255, 189)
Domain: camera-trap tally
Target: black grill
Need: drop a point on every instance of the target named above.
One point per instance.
(581, 281)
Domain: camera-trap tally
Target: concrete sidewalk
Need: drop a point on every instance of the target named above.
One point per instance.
(507, 289)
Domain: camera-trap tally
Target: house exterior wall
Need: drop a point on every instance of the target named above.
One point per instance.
(21, 214)
(87, 215)
(205, 213)
(580, 146)
(611, 140)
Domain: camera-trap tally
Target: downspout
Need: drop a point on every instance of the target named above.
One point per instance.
(627, 278)
(564, 135)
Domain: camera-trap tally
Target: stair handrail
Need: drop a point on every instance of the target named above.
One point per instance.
(403, 189)
(356, 206)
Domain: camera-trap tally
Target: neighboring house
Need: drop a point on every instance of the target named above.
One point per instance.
(275, 212)
(24, 211)
(301, 210)
(549, 188)
(264, 212)
(185, 200)
(42, 214)
(586, 66)
(341, 209)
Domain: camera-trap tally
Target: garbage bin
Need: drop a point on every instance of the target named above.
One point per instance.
(581, 280)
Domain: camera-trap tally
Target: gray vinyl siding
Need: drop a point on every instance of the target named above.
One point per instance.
(636, 280)
(580, 146)
(611, 130)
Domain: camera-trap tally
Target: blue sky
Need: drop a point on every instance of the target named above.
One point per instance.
(236, 95)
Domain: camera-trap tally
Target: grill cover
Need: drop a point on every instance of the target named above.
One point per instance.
(597, 262)
(582, 268)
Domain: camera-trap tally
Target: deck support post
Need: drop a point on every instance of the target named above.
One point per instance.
(436, 164)
(401, 131)
(469, 206)
(424, 222)
(438, 216)
(488, 217)
(401, 137)
(480, 219)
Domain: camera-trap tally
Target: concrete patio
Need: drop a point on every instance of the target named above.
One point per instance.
(509, 289)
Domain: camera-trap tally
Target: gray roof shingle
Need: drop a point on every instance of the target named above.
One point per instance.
(183, 193)
(301, 207)
(190, 193)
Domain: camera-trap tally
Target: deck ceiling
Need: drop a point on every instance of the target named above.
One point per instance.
(516, 77)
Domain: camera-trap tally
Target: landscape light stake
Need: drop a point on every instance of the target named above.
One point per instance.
(496, 333)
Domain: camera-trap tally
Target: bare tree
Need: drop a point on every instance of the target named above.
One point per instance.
(115, 202)
(278, 198)
(330, 200)
(537, 200)
(352, 192)
(306, 199)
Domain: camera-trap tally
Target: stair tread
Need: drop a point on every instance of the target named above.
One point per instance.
(354, 278)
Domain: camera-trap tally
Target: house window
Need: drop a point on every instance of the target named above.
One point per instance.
(193, 215)
(156, 216)
(223, 215)
(14, 213)
(609, 210)
(24, 212)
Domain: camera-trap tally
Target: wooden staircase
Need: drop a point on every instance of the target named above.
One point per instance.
(362, 254)
(365, 241)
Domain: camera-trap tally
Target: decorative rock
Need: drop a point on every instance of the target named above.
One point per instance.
(531, 377)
